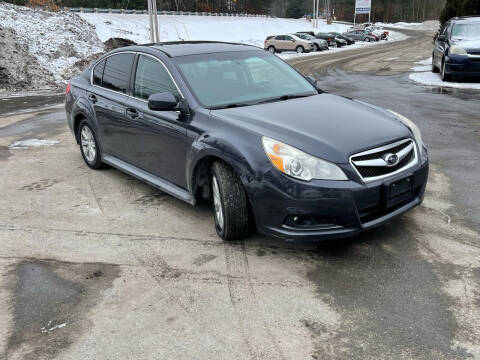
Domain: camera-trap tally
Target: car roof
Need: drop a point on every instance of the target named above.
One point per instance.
(183, 48)
(466, 18)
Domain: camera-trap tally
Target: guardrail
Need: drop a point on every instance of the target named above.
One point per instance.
(139, 12)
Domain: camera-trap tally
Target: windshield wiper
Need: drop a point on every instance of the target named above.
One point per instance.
(228, 106)
(283, 98)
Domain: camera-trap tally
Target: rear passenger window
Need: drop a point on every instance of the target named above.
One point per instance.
(98, 73)
(151, 77)
(116, 74)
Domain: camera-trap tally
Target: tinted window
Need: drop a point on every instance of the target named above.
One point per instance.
(98, 73)
(281, 37)
(152, 77)
(288, 38)
(117, 72)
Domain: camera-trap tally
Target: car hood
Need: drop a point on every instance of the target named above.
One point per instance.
(468, 45)
(324, 125)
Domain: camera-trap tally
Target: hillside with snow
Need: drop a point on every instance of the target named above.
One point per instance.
(247, 30)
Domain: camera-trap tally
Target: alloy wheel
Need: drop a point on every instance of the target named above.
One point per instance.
(217, 203)
(88, 144)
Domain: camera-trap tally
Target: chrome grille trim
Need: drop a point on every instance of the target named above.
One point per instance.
(380, 162)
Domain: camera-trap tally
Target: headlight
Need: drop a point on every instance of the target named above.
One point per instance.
(457, 50)
(298, 164)
(415, 130)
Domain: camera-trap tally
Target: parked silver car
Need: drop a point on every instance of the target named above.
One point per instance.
(318, 44)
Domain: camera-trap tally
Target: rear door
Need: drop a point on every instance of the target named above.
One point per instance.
(156, 139)
(108, 96)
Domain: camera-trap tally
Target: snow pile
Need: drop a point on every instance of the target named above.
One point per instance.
(25, 144)
(252, 31)
(428, 78)
(18, 68)
(56, 39)
(430, 25)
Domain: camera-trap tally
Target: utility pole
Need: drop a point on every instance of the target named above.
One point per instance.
(153, 19)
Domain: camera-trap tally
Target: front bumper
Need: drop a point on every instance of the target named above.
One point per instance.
(338, 209)
(462, 65)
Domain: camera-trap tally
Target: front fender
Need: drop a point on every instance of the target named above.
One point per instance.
(246, 158)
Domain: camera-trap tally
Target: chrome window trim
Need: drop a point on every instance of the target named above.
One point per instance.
(383, 148)
(132, 52)
(472, 56)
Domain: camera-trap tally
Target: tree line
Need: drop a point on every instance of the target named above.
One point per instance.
(388, 11)
(382, 10)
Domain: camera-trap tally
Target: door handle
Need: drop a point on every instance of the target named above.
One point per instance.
(132, 113)
(92, 98)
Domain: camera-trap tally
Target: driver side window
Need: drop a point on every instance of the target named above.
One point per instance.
(151, 77)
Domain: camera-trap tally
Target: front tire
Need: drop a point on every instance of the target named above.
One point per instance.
(444, 75)
(89, 146)
(434, 68)
(230, 204)
(316, 47)
(300, 50)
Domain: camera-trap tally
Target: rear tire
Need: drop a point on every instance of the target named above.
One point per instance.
(271, 49)
(230, 203)
(89, 146)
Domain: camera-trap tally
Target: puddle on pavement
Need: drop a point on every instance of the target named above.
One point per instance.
(49, 301)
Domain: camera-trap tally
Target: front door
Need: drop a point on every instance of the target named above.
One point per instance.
(156, 138)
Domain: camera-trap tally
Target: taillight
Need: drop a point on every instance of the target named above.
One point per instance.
(67, 90)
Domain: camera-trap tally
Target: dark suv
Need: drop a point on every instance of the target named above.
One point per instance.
(457, 48)
(237, 125)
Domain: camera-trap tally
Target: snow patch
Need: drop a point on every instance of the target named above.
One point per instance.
(430, 25)
(46, 329)
(425, 62)
(431, 79)
(422, 68)
(25, 144)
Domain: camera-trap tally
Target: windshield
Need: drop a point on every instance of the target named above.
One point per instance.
(241, 78)
(466, 31)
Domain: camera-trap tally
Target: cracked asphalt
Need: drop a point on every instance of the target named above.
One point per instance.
(97, 265)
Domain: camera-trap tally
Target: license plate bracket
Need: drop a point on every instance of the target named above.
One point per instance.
(399, 191)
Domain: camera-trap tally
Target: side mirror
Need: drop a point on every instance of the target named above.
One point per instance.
(314, 82)
(165, 101)
(441, 38)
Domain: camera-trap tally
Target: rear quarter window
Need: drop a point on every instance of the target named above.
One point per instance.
(116, 74)
(98, 73)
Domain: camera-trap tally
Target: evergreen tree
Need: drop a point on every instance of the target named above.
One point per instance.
(459, 8)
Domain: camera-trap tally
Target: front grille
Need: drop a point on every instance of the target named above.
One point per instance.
(372, 164)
